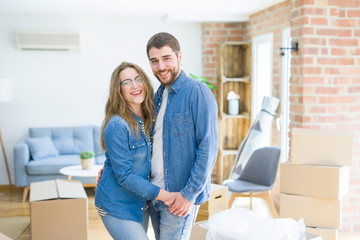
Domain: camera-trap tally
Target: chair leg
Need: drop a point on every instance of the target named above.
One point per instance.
(267, 197)
(25, 193)
(251, 205)
(231, 200)
(235, 195)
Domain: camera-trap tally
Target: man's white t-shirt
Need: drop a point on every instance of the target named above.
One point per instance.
(157, 162)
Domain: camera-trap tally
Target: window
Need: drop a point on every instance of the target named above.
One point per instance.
(262, 52)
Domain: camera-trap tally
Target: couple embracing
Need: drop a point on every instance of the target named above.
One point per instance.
(160, 148)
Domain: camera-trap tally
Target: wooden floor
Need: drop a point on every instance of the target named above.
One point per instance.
(11, 206)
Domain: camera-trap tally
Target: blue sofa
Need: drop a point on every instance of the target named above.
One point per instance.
(40, 156)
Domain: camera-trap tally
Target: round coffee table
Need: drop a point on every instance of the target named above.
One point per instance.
(77, 171)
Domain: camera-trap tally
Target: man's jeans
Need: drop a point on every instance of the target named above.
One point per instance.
(168, 226)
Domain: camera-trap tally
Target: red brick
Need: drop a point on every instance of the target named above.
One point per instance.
(311, 50)
(327, 32)
(217, 39)
(354, 89)
(232, 25)
(313, 80)
(343, 42)
(347, 22)
(346, 61)
(326, 90)
(334, 12)
(311, 70)
(338, 51)
(327, 61)
(332, 71)
(315, 11)
(353, 13)
(235, 39)
(345, 33)
(328, 100)
(314, 41)
(347, 99)
(324, 51)
(317, 109)
(319, 21)
(349, 3)
(351, 71)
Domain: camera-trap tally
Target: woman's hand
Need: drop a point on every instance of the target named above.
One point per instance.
(167, 197)
(99, 175)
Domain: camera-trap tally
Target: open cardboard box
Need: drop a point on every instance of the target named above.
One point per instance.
(59, 210)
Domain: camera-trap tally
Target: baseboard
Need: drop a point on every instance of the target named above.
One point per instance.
(9, 187)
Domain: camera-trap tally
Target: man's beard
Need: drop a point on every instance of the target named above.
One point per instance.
(173, 77)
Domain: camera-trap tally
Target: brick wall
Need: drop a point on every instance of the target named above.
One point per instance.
(325, 82)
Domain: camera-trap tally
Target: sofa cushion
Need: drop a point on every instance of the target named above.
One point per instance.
(67, 140)
(41, 147)
(51, 165)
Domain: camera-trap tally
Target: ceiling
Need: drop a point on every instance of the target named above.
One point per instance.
(170, 10)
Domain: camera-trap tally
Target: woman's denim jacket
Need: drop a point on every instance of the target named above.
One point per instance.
(124, 186)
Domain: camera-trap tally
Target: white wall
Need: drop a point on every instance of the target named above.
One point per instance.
(70, 88)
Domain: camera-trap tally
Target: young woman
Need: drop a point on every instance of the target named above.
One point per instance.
(124, 186)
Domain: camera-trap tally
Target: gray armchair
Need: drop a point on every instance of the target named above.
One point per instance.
(257, 178)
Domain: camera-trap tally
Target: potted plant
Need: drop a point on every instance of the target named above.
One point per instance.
(87, 159)
(204, 80)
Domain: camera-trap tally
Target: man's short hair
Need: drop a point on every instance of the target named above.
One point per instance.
(162, 39)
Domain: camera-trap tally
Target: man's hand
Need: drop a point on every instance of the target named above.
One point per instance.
(181, 206)
(99, 175)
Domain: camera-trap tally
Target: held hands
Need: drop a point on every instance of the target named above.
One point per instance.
(99, 175)
(181, 206)
(177, 204)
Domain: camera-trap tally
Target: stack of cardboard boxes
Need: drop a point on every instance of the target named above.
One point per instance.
(314, 183)
(217, 202)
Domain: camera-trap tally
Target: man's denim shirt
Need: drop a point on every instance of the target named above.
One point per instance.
(190, 140)
(124, 185)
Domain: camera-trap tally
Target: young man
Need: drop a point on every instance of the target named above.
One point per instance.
(185, 140)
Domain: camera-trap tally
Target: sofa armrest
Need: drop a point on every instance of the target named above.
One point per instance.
(21, 158)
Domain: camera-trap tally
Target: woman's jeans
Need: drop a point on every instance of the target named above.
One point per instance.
(120, 229)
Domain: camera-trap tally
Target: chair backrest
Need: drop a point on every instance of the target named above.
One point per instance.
(262, 166)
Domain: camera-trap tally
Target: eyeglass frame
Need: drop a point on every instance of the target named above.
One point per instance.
(138, 80)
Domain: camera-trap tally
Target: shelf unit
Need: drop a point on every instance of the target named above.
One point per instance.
(233, 73)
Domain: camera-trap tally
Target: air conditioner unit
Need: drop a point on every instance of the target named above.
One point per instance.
(53, 41)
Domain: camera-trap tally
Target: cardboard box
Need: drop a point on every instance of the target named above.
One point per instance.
(320, 147)
(199, 231)
(218, 197)
(325, 233)
(316, 212)
(204, 215)
(59, 210)
(315, 181)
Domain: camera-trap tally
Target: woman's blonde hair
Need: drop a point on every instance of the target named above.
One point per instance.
(117, 105)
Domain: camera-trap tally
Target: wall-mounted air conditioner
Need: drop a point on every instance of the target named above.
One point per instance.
(54, 41)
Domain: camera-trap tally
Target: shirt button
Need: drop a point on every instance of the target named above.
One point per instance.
(149, 160)
(142, 208)
(133, 146)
